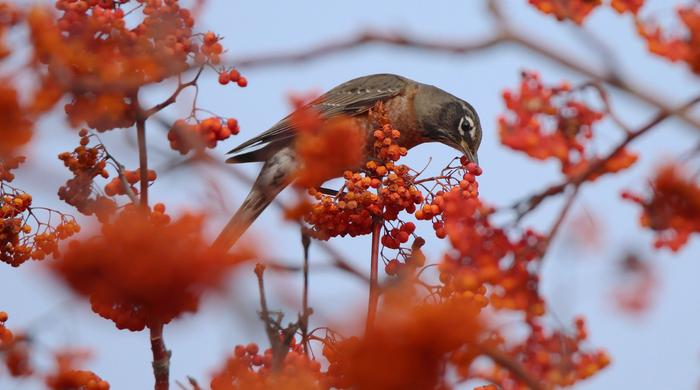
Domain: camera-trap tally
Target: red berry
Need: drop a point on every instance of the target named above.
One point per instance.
(252, 348)
(242, 82)
(234, 76)
(392, 267)
(224, 78)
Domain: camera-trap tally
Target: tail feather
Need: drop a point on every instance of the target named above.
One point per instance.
(254, 204)
(273, 178)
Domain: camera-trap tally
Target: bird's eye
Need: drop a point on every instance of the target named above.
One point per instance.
(466, 124)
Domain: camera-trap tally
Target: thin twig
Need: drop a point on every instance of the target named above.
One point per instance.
(306, 311)
(511, 365)
(373, 277)
(143, 151)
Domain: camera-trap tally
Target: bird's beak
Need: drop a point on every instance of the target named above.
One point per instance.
(464, 147)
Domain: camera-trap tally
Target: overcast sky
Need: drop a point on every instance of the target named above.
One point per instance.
(659, 349)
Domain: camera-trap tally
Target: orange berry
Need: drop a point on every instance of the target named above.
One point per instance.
(224, 78)
(233, 75)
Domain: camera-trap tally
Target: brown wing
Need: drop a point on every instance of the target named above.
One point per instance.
(350, 98)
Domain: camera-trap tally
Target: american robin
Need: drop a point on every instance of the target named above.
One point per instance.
(423, 113)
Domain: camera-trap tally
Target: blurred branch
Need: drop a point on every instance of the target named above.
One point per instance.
(523, 207)
(505, 33)
(507, 362)
(366, 38)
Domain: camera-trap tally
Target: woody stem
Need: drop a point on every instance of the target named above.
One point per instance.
(143, 153)
(161, 357)
(373, 277)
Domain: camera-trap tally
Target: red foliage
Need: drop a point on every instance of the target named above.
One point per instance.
(144, 269)
(66, 377)
(409, 347)
(555, 357)
(676, 48)
(327, 151)
(247, 369)
(672, 207)
(14, 350)
(548, 122)
(574, 10)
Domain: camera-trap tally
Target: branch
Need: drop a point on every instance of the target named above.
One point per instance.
(367, 38)
(143, 152)
(161, 357)
(525, 206)
(504, 34)
(511, 365)
(373, 277)
(170, 100)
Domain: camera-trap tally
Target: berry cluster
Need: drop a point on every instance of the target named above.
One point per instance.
(382, 190)
(100, 59)
(232, 76)
(7, 165)
(548, 122)
(676, 48)
(248, 369)
(672, 209)
(556, 356)
(326, 149)
(116, 187)
(408, 349)
(144, 269)
(185, 136)
(485, 256)
(86, 163)
(578, 10)
(23, 235)
(66, 377)
(14, 350)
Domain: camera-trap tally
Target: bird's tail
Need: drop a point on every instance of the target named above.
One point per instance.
(254, 204)
(273, 178)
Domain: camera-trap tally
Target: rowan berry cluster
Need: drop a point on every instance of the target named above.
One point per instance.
(246, 368)
(325, 150)
(578, 10)
(144, 269)
(556, 357)
(66, 377)
(485, 264)
(548, 122)
(672, 207)
(185, 136)
(409, 348)
(684, 48)
(16, 127)
(381, 190)
(93, 54)
(116, 186)
(232, 76)
(86, 163)
(14, 350)
(23, 235)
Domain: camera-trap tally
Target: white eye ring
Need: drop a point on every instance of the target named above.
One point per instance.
(470, 125)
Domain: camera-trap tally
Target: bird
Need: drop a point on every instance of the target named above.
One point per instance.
(422, 112)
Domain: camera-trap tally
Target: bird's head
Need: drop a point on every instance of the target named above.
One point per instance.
(449, 120)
